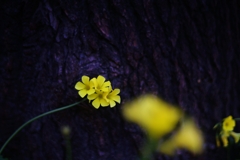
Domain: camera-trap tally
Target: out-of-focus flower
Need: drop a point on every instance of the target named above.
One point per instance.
(236, 136)
(224, 138)
(188, 137)
(100, 84)
(85, 87)
(66, 130)
(228, 124)
(154, 115)
(224, 130)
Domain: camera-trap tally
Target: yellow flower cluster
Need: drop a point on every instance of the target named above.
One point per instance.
(225, 129)
(98, 91)
(159, 118)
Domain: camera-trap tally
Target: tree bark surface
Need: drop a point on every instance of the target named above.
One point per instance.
(187, 52)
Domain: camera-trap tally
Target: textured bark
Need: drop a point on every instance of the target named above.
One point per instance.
(185, 51)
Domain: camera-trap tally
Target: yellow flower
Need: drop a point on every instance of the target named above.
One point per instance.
(154, 115)
(228, 124)
(85, 87)
(113, 96)
(225, 130)
(188, 137)
(98, 91)
(100, 84)
(224, 137)
(236, 136)
(99, 98)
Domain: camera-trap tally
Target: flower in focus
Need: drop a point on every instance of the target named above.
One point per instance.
(85, 87)
(228, 124)
(100, 84)
(113, 96)
(188, 137)
(99, 98)
(154, 115)
(98, 91)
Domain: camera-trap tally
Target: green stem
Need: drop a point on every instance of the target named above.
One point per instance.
(148, 149)
(237, 119)
(68, 148)
(37, 117)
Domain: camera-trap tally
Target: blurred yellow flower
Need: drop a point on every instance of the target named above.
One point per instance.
(188, 137)
(85, 87)
(228, 124)
(236, 136)
(224, 137)
(153, 114)
(100, 84)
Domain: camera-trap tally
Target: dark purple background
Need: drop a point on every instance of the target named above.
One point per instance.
(185, 51)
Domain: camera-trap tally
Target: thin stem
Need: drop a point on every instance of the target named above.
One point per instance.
(237, 119)
(148, 149)
(37, 117)
(68, 148)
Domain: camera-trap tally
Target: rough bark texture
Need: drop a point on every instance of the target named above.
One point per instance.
(185, 51)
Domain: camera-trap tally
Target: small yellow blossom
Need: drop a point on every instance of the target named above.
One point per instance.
(223, 137)
(225, 130)
(100, 84)
(228, 124)
(154, 115)
(99, 98)
(113, 96)
(98, 91)
(85, 87)
(188, 137)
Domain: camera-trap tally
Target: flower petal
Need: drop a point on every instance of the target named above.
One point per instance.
(85, 80)
(96, 103)
(116, 98)
(93, 82)
(80, 85)
(103, 102)
(92, 96)
(115, 91)
(90, 91)
(106, 84)
(100, 80)
(82, 92)
(106, 89)
(112, 103)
